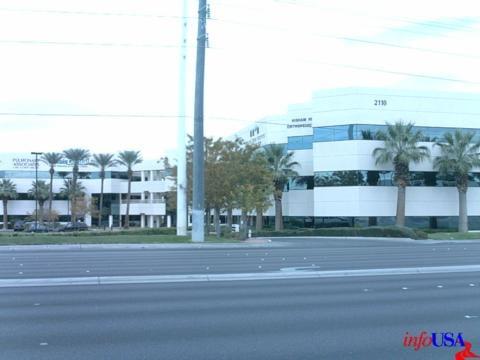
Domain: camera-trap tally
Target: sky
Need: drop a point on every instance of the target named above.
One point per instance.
(104, 74)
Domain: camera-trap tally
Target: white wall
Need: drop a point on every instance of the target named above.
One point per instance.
(381, 201)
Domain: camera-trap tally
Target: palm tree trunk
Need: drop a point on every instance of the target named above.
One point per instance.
(229, 218)
(401, 197)
(216, 220)
(101, 204)
(462, 214)
(244, 224)
(127, 215)
(259, 219)
(40, 211)
(207, 219)
(50, 198)
(278, 213)
(5, 215)
(74, 198)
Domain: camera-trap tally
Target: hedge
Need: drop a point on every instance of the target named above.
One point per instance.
(374, 231)
(154, 231)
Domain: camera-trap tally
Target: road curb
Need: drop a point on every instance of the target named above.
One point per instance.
(264, 244)
(277, 275)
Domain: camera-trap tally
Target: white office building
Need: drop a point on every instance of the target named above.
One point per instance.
(147, 206)
(332, 137)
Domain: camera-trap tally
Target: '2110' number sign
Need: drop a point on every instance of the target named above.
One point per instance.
(380, 102)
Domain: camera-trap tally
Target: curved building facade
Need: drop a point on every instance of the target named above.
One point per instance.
(333, 137)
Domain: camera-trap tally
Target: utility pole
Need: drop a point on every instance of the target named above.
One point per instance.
(36, 187)
(198, 225)
(181, 140)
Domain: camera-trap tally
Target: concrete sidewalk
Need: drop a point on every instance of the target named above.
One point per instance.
(253, 243)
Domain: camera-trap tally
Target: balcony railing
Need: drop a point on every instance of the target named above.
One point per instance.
(139, 201)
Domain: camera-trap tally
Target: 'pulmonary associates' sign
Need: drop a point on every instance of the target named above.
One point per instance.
(26, 162)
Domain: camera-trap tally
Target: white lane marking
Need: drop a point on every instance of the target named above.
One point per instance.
(471, 285)
(283, 259)
(471, 316)
(43, 344)
(365, 290)
(208, 268)
(440, 286)
(272, 275)
(259, 266)
(404, 288)
(36, 304)
(21, 264)
(301, 268)
(262, 259)
(20, 273)
(87, 271)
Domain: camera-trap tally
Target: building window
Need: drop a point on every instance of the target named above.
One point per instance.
(300, 142)
(375, 132)
(300, 183)
(386, 178)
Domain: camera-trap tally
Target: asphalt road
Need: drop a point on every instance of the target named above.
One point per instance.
(336, 318)
(324, 254)
(361, 318)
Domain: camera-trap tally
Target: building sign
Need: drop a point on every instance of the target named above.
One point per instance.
(23, 162)
(300, 123)
(254, 131)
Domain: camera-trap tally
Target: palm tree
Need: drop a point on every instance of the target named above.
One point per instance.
(76, 156)
(129, 159)
(40, 192)
(282, 167)
(102, 161)
(8, 191)
(459, 155)
(401, 148)
(51, 159)
(71, 192)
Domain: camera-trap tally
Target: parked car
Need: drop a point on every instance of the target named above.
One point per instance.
(19, 225)
(77, 226)
(30, 227)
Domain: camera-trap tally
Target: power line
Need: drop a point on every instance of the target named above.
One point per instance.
(411, 21)
(93, 13)
(353, 39)
(75, 43)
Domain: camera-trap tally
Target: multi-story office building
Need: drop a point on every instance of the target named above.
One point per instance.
(149, 185)
(333, 137)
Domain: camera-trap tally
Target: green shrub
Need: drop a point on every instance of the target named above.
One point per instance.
(146, 231)
(374, 231)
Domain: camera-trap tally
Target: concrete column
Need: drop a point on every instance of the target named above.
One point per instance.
(88, 220)
(151, 175)
(142, 175)
(169, 221)
(142, 220)
(110, 221)
(150, 221)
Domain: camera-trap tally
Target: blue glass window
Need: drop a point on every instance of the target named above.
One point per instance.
(300, 142)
